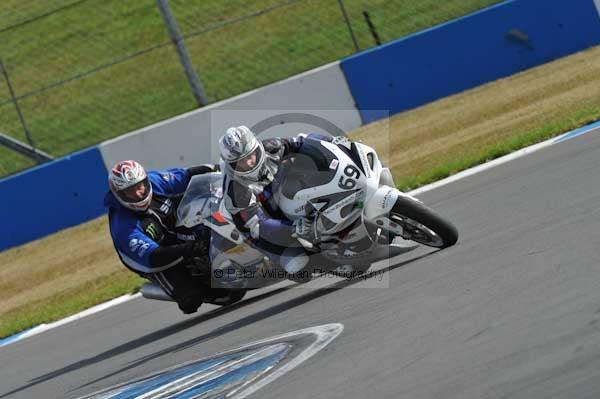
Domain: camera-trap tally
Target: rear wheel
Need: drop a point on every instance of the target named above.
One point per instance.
(414, 221)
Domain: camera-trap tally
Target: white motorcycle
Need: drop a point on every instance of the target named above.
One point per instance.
(356, 208)
(359, 217)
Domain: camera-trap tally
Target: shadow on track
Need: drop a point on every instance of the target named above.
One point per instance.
(144, 340)
(259, 316)
(165, 332)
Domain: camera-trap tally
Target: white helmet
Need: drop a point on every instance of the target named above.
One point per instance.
(129, 183)
(243, 154)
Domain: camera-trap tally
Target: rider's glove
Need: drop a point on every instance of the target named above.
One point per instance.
(196, 253)
(165, 255)
(305, 229)
(192, 249)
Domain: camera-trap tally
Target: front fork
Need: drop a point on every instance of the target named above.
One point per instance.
(378, 208)
(381, 203)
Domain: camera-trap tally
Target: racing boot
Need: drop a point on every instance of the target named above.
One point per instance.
(189, 304)
(188, 299)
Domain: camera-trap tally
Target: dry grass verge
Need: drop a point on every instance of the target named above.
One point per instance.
(76, 268)
(523, 108)
(59, 275)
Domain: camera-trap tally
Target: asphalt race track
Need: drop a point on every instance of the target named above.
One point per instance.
(511, 311)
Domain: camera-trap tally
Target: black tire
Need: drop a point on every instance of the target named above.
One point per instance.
(232, 297)
(417, 212)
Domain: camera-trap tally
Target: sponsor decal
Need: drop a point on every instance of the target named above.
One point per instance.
(334, 164)
(168, 176)
(152, 231)
(386, 198)
(185, 237)
(339, 205)
(344, 202)
(134, 244)
(364, 161)
(166, 206)
(143, 248)
(139, 246)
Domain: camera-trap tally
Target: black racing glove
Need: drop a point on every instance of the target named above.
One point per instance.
(173, 254)
(198, 260)
(195, 249)
(202, 169)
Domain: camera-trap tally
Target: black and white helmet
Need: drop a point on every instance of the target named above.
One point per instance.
(243, 154)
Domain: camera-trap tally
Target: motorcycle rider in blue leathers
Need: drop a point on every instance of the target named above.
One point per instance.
(250, 167)
(142, 211)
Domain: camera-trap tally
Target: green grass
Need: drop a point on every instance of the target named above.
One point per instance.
(67, 303)
(230, 58)
(454, 164)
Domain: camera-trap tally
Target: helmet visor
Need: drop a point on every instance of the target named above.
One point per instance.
(249, 162)
(136, 193)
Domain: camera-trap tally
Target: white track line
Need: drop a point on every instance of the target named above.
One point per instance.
(480, 168)
(45, 327)
(507, 158)
(461, 175)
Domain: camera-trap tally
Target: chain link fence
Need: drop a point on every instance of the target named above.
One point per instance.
(88, 70)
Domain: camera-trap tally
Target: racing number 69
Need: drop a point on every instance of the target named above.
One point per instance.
(349, 183)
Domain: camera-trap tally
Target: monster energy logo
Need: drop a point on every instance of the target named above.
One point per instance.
(152, 231)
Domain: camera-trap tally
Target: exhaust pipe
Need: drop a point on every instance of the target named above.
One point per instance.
(153, 291)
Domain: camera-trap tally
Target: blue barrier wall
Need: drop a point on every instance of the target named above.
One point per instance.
(496, 42)
(60, 194)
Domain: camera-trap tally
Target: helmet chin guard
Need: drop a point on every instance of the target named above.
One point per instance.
(130, 185)
(244, 157)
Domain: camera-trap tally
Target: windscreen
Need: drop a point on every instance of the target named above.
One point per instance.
(201, 199)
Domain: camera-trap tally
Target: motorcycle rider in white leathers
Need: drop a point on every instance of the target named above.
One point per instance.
(250, 168)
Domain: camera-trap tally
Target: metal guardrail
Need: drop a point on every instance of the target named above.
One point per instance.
(24, 149)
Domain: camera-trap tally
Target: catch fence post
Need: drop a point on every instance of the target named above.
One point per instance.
(184, 57)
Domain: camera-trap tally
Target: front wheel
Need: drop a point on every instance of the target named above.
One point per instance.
(414, 221)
